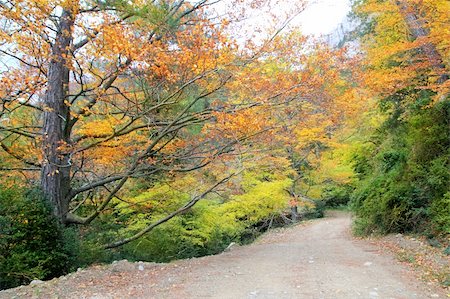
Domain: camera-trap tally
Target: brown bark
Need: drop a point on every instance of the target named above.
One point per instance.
(55, 174)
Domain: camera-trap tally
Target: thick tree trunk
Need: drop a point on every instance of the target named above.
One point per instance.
(55, 175)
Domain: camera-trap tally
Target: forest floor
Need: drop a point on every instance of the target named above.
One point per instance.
(315, 259)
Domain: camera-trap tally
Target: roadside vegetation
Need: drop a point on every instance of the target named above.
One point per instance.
(197, 139)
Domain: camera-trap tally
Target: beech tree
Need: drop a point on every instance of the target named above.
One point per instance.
(97, 92)
(94, 93)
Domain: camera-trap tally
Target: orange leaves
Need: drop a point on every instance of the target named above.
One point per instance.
(98, 128)
(352, 103)
(137, 82)
(118, 40)
(174, 146)
(409, 44)
(109, 155)
(25, 25)
(239, 124)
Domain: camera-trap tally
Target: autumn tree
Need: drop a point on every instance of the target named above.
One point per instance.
(402, 166)
(306, 94)
(95, 93)
(406, 43)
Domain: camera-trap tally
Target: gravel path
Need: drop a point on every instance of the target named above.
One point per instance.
(318, 259)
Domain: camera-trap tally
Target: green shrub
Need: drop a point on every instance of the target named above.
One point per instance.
(199, 232)
(317, 210)
(406, 189)
(31, 240)
(208, 228)
(440, 213)
(336, 195)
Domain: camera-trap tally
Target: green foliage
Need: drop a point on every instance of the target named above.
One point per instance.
(196, 233)
(362, 165)
(32, 243)
(208, 228)
(404, 178)
(440, 213)
(315, 211)
(383, 205)
(447, 250)
(336, 195)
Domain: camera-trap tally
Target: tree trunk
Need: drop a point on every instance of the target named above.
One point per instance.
(55, 174)
(294, 214)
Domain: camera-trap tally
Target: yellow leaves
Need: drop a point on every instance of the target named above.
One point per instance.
(98, 128)
(395, 53)
(26, 22)
(69, 5)
(116, 153)
(307, 135)
(117, 39)
(173, 146)
(107, 155)
(238, 124)
(305, 204)
(351, 103)
(112, 149)
(386, 81)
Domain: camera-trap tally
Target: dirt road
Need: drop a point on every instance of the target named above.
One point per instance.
(319, 259)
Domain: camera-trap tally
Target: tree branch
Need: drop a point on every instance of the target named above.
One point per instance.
(184, 208)
(13, 154)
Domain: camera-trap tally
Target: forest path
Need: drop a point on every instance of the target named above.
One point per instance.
(315, 259)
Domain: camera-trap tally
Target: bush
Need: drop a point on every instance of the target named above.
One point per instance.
(209, 227)
(337, 195)
(406, 189)
(440, 213)
(31, 240)
(198, 232)
(317, 211)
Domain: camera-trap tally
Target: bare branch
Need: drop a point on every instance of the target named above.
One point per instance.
(15, 155)
(184, 208)
(19, 169)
